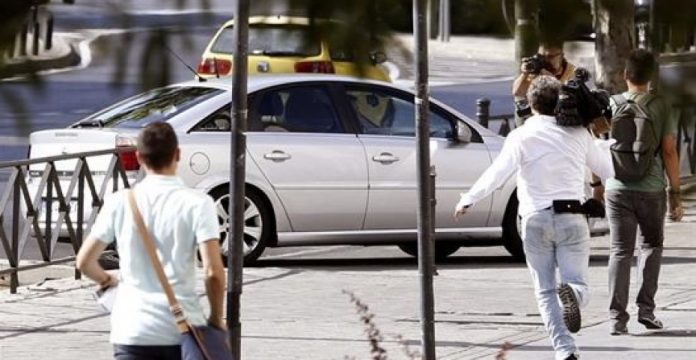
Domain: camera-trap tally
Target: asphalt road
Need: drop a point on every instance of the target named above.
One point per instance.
(62, 98)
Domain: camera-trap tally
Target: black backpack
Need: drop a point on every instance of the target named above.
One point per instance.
(637, 140)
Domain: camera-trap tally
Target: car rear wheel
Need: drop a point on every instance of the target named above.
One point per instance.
(442, 250)
(257, 223)
(512, 229)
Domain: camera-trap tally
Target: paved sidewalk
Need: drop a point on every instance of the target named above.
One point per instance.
(295, 309)
(472, 59)
(63, 54)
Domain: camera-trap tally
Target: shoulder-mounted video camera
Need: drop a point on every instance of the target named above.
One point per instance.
(534, 64)
(578, 105)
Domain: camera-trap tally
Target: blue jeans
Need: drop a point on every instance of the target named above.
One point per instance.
(563, 241)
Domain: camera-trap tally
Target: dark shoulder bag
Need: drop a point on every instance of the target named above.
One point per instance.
(197, 342)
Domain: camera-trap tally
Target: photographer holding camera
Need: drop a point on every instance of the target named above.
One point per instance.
(549, 60)
(550, 161)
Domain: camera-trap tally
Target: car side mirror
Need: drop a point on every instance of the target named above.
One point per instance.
(463, 133)
(377, 57)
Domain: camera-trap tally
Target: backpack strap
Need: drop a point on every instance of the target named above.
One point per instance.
(619, 99)
(643, 101)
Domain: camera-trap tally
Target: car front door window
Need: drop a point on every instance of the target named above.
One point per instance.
(303, 109)
(383, 114)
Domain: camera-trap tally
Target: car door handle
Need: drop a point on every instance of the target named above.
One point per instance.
(276, 155)
(385, 158)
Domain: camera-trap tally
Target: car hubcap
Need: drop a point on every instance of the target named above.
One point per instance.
(253, 224)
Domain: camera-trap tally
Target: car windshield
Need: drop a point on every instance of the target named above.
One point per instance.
(155, 105)
(271, 40)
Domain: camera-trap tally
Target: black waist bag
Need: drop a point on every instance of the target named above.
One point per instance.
(567, 207)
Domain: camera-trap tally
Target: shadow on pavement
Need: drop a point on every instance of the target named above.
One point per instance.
(369, 264)
(395, 263)
(669, 333)
(603, 260)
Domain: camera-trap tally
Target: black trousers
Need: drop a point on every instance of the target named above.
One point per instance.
(628, 211)
(135, 352)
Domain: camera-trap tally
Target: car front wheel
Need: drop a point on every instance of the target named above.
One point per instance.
(512, 229)
(257, 223)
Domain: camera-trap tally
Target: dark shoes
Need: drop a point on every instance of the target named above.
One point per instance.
(572, 357)
(619, 329)
(651, 323)
(571, 308)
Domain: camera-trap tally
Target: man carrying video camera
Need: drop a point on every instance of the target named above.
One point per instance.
(549, 60)
(550, 161)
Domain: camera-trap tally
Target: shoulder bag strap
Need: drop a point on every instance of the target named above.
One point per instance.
(174, 306)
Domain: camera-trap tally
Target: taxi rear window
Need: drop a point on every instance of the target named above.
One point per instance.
(271, 41)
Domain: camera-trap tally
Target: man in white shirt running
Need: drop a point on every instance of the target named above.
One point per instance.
(550, 161)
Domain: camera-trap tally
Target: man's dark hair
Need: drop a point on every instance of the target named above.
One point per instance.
(552, 44)
(157, 144)
(640, 66)
(543, 94)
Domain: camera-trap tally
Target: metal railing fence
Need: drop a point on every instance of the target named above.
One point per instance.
(25, 210)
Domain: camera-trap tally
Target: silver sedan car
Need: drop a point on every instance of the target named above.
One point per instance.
(330, 160)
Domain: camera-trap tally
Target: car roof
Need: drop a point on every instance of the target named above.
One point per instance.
(257, 82)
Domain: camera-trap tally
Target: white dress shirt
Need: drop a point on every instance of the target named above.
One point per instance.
(550, 161)
(179, 219)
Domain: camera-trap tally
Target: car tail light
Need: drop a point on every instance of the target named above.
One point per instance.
(126, 154)
(214, 66)
(129, 160)
(320, 67)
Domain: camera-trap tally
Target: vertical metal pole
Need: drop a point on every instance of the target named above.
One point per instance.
(432, 14)
(14, 279)
(23, 39)
(80, 209)
(49, 32)
(36, 31)
(445, 21)
(483, 111)
(35, 39)
(425, 216)
(526, 41)
(48, 233)
(235, 241)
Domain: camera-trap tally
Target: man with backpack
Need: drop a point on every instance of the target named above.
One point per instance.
(645, 149)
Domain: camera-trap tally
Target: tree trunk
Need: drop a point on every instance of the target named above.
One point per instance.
(614, 28)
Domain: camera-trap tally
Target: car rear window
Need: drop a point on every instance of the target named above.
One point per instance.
(272, 41)
(155, 105)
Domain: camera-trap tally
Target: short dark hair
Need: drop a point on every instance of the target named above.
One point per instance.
(543, 94)
(157, 145)
(552, 44)
(640, 66)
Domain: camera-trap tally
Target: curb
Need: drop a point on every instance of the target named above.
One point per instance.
(29, 66)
